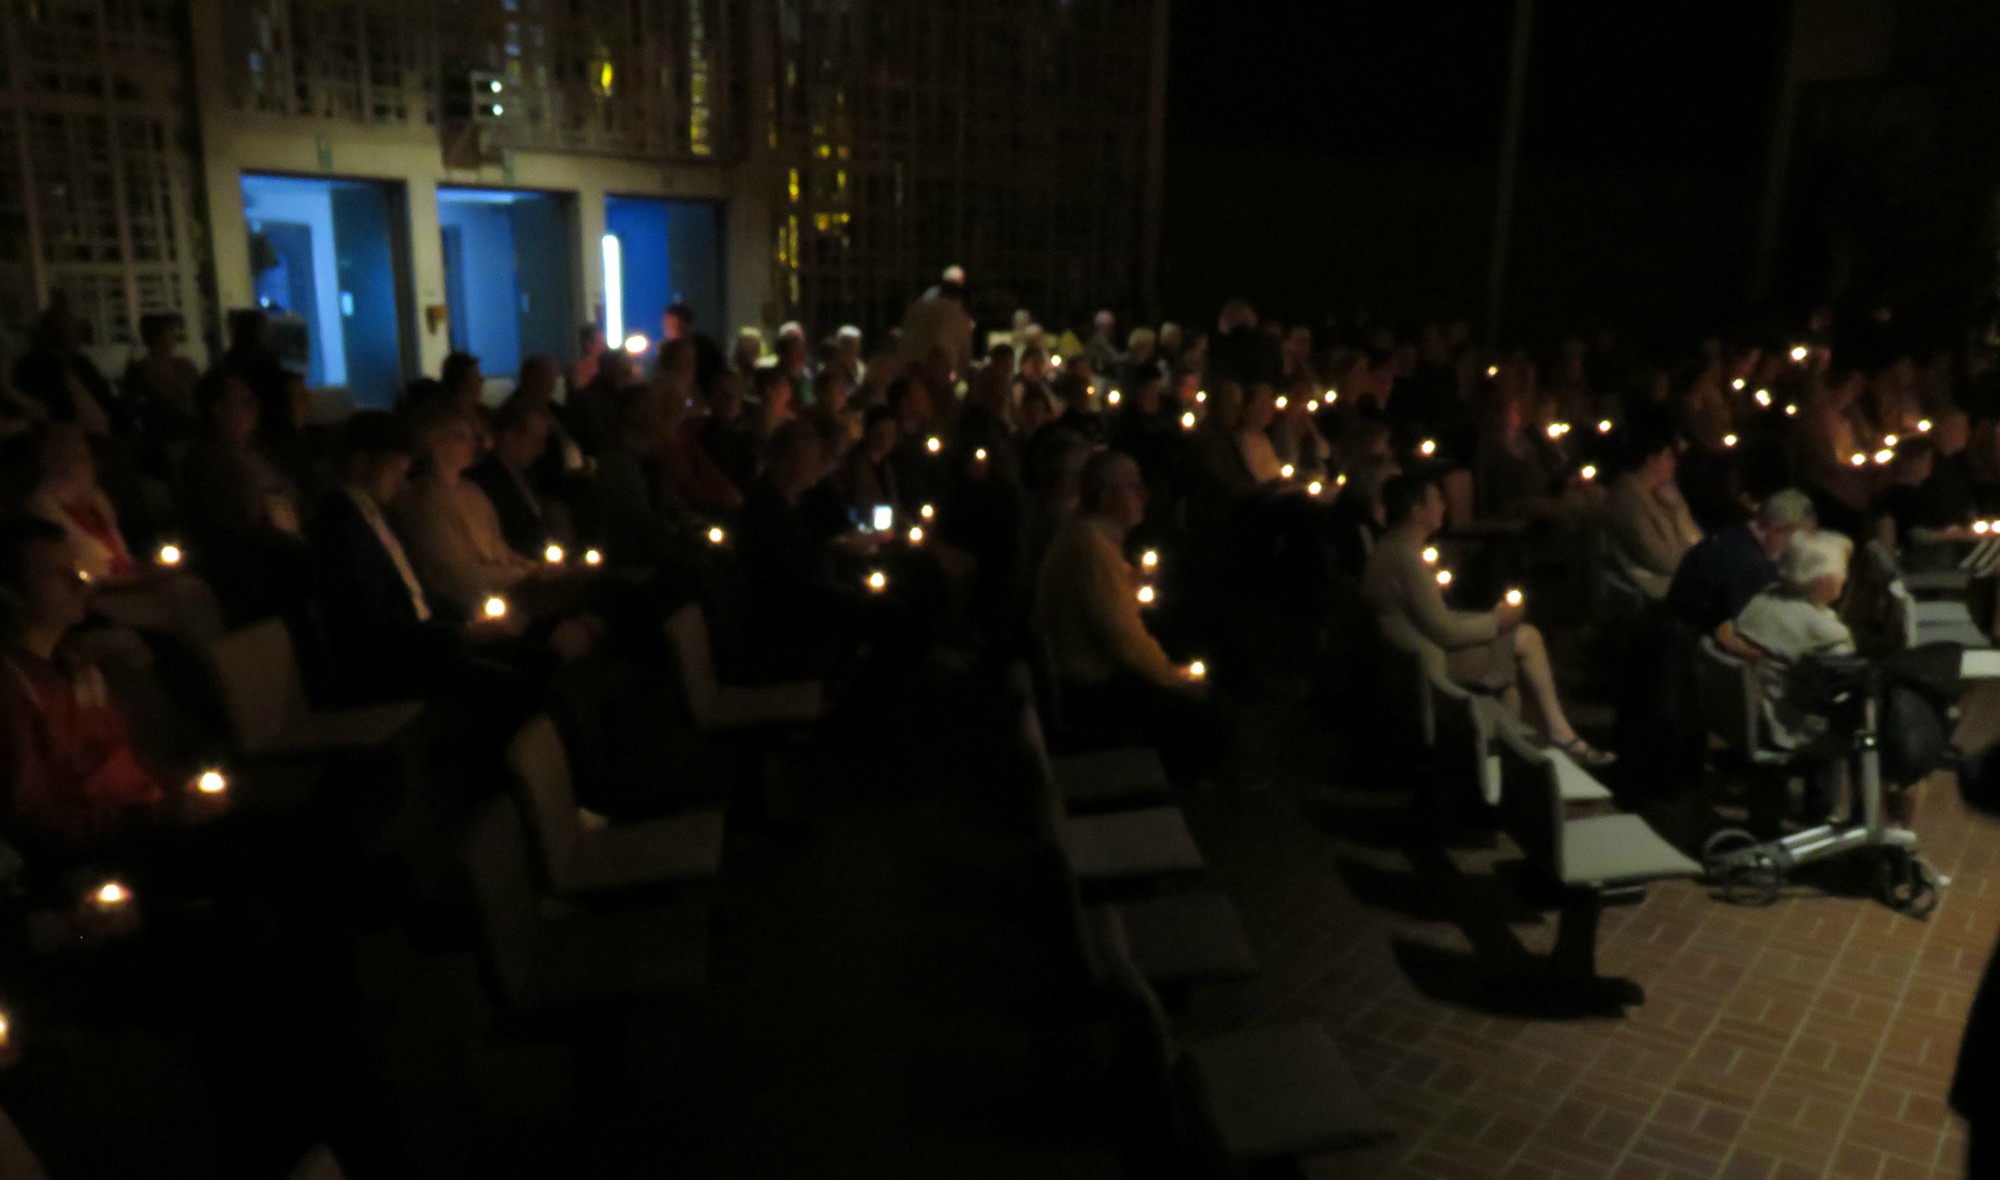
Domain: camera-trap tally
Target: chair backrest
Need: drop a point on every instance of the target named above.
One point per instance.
(539, 767)
(1729, 697)
(1464, 733)
(687, 631)
(1152, 1033)
(1046, 796)
(262, 692)
(504, 897)
(1530, 798)
(1047, 684)
(1406, 690)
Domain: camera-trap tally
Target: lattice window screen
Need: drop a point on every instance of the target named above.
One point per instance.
(96, 174)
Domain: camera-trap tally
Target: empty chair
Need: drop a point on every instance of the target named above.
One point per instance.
(578, 861)
(538, 959)
(1730, 701)
(266, 706)
(1591, 860)
(1146, 842)
(716, 705)
(1093, 779)
(1243, 1098)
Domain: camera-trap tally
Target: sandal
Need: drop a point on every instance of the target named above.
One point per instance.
(1586, 755)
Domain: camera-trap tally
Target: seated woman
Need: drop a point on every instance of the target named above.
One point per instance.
(1485, 651)
(1787, 623)
(74, 784)
(1116, 679)
(1650, 526)
(239, 511)
(451, 528)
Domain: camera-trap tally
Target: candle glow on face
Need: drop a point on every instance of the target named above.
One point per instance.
(170, 555)
(716, 536)
(592, 557)
(878, 581)
(1146, 595)
(211, 782)
(553, 555)
(1513, 598)
(495, 607)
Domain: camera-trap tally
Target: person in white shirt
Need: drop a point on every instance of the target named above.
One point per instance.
(1794, 620)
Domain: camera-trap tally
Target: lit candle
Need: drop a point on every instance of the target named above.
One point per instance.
(1340, 481)
(1314, 488)
(1728, 440)
(592, 557)
(1923, 426)
(1187, 420)
(495, 607)
(1430, 555)
(211, 782)
(553, 555)
(916, 534)
(1312, 407)
(926, 512)
(1858, 459)
(1588, 471)
(110, 897)
(1146, 596)
(1889, 440)
(1444, 577)
(1200, 395)
(1764, 398)
(1493, 370)
(716, 536)
(1555, 431)
(1285, 472)
(1283, 402)
(1883, 456)
(1738, 384)
(1056, 361)
(933, 444)
(979, 456)
(1604, 426)
(1791, 410)
(6, 1032)
(1799, 353)
(83, 576)
(1150, 559)
(170, 555)
(1427, 447)
(1113, 397)
(1981, 527)
(635, 343)
(877, 581)
(1513, 598)
(1197, 670)
(1332, 395)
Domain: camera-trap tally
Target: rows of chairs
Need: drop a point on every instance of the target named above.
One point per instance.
(1124, 860)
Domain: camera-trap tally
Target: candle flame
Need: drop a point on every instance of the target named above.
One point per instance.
(916, 534)
(1430, 555)
(1764, 398)
(1513, 598)
(111, 893)
(1858, 459)
(1738, 384)
(1589, 471)
(933, 444)
(211, 782)
(496, 607)
(878, 581)
(1113, 397)
(1604, 426)
(635, 343)
(1427, 447)
(1146, 596)
(1791, 410)
(592, 557)
(926, 512)
(553, 555)
(1314, 488)
(1981, 527)
(1728, 440)
(1493, 370)
(170, 555)
(1923, 426)
(1187, 420)
(1883, 456)
(716, 536)
(1198, 670)
(980, 454)
(1444, 577)
(1283, 402)
(1150, 559)
(1285, 471)
(1201, 395)
(1800, 352)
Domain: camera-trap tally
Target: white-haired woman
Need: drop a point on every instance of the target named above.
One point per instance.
(1790, 622)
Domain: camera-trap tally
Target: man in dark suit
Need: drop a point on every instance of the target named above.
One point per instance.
(384, 638)
(507, 475)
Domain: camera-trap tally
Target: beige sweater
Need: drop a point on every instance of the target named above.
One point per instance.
(1087, 610)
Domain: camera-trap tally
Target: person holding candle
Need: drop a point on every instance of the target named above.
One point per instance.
(1116, 678)
(1484, 651)
(529, 519)
(1649, 524)
(239, 511)
(1720, 575)
(449, 525)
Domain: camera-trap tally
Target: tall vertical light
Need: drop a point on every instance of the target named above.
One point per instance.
(614, 290)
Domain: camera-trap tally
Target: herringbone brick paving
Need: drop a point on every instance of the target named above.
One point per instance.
(1812, 1038)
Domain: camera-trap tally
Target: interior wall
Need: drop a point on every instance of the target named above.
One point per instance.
(492, 321)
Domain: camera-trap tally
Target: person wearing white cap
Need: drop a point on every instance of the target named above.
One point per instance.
(1793, 620)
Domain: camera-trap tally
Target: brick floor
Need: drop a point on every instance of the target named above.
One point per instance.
(1812, 1038)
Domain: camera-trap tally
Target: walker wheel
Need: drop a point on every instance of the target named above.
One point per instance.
(1753, 880)
(1909, 886)
(1719, 851)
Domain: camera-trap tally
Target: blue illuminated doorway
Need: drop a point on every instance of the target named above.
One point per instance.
(509, 274)
(669, 251)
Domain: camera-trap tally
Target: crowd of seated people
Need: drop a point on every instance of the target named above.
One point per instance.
(1117, 512)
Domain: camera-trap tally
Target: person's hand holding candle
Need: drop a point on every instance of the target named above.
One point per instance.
(107, 909)
(206, 797)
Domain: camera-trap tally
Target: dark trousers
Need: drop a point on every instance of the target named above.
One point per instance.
(1192, 735)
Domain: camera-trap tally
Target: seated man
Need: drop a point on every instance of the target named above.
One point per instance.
(1486, 651)
(529, 519)
(1719, 576)
(1114, 676)
(1649, 523)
